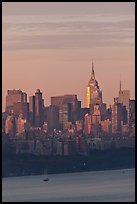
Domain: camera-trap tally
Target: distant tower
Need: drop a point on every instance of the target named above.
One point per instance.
(14, 96)
(93, 94)
(32, 110)
(10, 125)
(120, 86)
(39, 108)
(116, 116)
(123, 98)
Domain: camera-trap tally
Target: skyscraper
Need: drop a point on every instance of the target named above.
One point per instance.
(116, 116)
(14, 96)
(53, 118)
(124, 97)
(32, 110)
(21, 108)
(21, 124)
(132, 116)
(93, 94)
(10, 126)
(39, 108)
(87, 124)
(96, 117)
(69, 107)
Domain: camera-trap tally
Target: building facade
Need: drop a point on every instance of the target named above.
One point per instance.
(21, 124)
(123, 98)
(93, 94)
(32, 111)
(21, 108)
(69, 108)
(53, 118)
(116, 116)
(10, 125)
(14, 96)
(39, 109)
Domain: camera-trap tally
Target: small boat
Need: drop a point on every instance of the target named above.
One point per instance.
(46, 179)
(45, 173)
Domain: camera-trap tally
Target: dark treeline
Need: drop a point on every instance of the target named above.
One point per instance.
(24, 164)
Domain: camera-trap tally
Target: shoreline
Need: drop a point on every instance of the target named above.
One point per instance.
(25, 165)
(77, 172)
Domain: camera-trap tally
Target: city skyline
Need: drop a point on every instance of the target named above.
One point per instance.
(50, 51)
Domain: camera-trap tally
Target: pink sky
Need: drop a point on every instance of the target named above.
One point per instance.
(47, 48)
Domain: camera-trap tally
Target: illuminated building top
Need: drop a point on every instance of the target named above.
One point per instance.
(94, 94)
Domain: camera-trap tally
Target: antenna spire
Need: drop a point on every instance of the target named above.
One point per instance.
(120, 85)
(92, 71)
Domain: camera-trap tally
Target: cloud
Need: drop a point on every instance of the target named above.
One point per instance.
(66, 8)
(67, 41)
(67, 31)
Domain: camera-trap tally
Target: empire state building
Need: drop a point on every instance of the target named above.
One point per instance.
(93, 94)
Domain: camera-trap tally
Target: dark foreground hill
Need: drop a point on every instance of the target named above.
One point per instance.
(24, 164)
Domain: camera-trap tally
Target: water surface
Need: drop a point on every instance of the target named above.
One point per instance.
(105, 186)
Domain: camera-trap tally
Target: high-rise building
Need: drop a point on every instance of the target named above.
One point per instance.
(32, 111)
(24, 97)
(53, 118)
(96, 116)
(102, 109)
(106, 126)
(4, 117)
(109, 113)
(21, 108)
(14, 96)
(79, 125)
(39, 109)
(95, 121)
(57, 100)
(116, 116)
(10, 125)
(64, 114)
(68, 104)
(93, 94)
(84, 111)
(87, 124)
(124, 117)
(132, 116)
(75, 106)
(21, 124)
(124, 97)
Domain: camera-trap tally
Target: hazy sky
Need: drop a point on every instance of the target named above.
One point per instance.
(50, 46)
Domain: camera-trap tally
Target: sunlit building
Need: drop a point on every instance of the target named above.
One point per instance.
(21, 124)
(124, 97)
(125, 129)
(93, 94)
(87, 124)
(116, 116)
(64, 114)
(69, 108)
(96, 116)
(21, 108)
(106, 126)
(10, 125)
(79, 125)
(14, 96)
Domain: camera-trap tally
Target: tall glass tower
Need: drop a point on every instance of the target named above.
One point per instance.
(93, 94)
